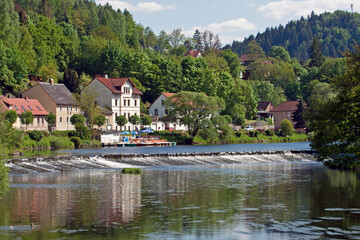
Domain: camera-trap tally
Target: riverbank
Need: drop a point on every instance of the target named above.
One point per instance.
(74, 163)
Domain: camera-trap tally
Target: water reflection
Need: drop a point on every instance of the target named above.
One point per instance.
(250, 201)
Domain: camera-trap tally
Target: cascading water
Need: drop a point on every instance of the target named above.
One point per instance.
(70, 163)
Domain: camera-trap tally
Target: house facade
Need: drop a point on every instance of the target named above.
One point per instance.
(21, 105)
(157, 111)
(284, 111)
(120, 96)
(55, 98)
(264, 108)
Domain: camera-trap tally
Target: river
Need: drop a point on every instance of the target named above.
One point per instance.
(299, 199)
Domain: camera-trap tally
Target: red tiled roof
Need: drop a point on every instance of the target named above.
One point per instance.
(247, 58)
(192, 53)
(288, 106)
(168, 94)
(115, 84)
(21, 104)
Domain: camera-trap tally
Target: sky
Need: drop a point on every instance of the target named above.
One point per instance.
(231, 19)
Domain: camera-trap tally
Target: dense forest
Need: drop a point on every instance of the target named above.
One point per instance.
(71, 41)
(336, 31)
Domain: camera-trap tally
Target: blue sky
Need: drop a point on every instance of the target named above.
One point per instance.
(231, 19)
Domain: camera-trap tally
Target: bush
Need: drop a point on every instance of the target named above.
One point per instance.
(269, 121)
(269, 132)
(238, 134)
(84, 131)
(286, 127)
(35, 135)
(73, 133)
(253, 133)
(61, 142)
(132, 171)
(76, 141)
(59, 133)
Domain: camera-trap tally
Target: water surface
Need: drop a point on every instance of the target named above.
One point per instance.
(289, 200)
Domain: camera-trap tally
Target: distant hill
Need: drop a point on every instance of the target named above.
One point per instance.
(337, 32)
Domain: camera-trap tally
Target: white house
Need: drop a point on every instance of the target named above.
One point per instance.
(157, 111)
(120, 96)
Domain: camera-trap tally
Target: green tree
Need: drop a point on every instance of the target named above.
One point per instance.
(146, 120)
(11, 116)
(336, 122)
(297, 116)
(316, 56)
(176, 37)
(233, 62)
(9, 23)
(286, 127)
(254, 48)
(87, 103)
(134, 120)
(279, 53)
(99, 120)
(27, 118)
(51, 119)
(77, 119)
(192, 109)
(71, 80)
(121, 121)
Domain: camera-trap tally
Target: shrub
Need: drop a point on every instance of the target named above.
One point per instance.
(35, 135)
(238, 134)
(59, 133)
(269, 132)
(253, 133)
(269, 121)
(84, 131)
(286, 127)
(76, 141)
(61, 142)
(73, 133)
(132, 171)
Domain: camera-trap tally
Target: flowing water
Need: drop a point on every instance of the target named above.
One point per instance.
(293, 198)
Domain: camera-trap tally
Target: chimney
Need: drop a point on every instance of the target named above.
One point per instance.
(26, 98)
(51, 81)
(106, 76)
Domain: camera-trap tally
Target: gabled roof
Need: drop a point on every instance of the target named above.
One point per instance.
(192, 53)
(288, 106)
(115, 84)
(263, 105)
(21, 105)
(168, 94)
(59, 93)
(247, 58)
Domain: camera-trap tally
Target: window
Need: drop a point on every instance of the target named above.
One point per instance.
(129, 128)
(42, 120)
(16, 107)
(135, 103)
(162, 102)
(128, 115)
(135, 114)
(76, 109)
(128, 102)
(70, 109)
(38, 120)
(124, 114)
(30, 108)
(60, 120)
(67, 119)
(38, 108)
(60, 108)
(115, 102)
(124, 102)
(67, 109)
(156, 112)
(23, 108)
(166, 111)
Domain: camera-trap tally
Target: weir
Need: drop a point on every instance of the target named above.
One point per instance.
(71, 163)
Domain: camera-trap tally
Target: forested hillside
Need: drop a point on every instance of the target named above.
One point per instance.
(336, 31)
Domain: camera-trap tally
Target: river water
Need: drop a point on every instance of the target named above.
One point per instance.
(259, 200)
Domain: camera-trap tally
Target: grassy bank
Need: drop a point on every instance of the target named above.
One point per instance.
(33, 140)
(237, 137)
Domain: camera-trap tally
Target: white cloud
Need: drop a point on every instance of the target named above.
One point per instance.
(140, 7)
(231, 26)
(228, 31)
(291, 8)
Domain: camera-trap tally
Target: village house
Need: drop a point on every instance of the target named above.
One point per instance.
(157, 111)
(192, 53)
(284, 111)
(20, 105)
(264, 108)
(55, 98)
(120, 96)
